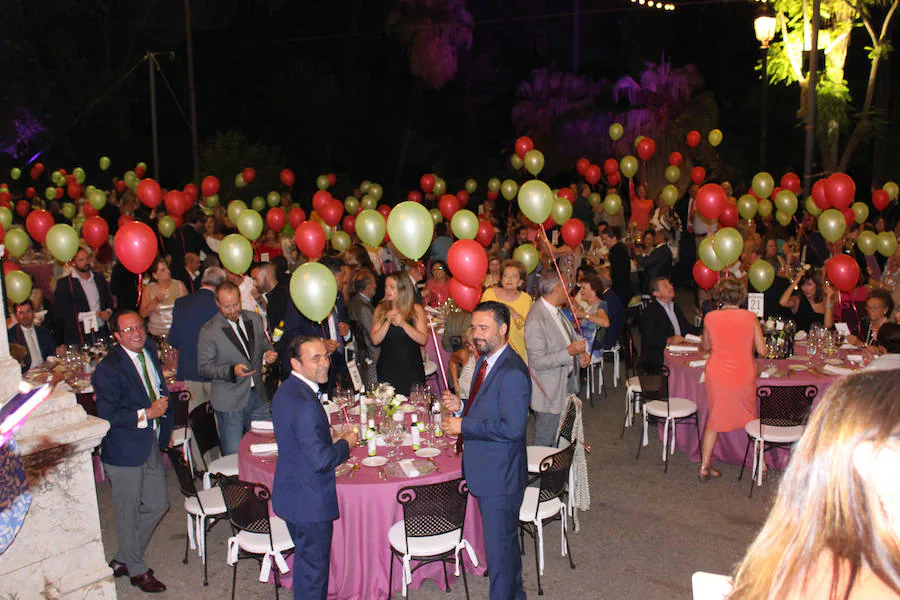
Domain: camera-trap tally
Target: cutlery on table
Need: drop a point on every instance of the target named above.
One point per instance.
(436, 467)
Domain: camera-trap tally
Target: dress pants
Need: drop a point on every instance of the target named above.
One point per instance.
(312, 555)
(140, 500)
(500, 519)
(233, 424)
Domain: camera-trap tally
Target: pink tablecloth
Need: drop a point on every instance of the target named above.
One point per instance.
(360, 555)
(684, 382)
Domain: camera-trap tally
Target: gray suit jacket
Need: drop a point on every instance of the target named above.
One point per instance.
(362, 311)
(219, 350)
(551, 365)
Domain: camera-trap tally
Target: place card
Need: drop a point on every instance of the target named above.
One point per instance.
(355, 376)
(89, 321)
(756, 304)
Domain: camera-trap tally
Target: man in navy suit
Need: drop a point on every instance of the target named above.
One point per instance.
(304, 493)
(84, 291)
(37, 340)
(492, 428)
(131, 394)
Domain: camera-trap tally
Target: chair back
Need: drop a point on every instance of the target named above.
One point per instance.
(631, 352)
(554, 473)
(247, 504)
(710, 586)
(183, 472)
(435, 508)
(785, 405)
(654, 383)
(568, 423)
(180, 407)
(203, 426)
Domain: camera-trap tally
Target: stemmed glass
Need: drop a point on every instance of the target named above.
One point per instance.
(812, 347)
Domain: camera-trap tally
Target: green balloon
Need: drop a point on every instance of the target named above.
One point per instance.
(364, 186)
(250, 224)
(351, 205)
(212, 201)
(314, 291)
(613, 204)
(534, 162)
(235, 208)
(669, 194)
(97, 198)
(104, 163)
(370, 227)
(595, 199)
(728, 245)
(258, 204)
(6, 217)
(239, 181)
(763, 184)
(832, 224)
(411, 228)
(494, 185)
(887, 243)
(131, 179)
(616, 131)
(471, 185)
(15, 173)
(673, 174)
(528, 255)
(368, 202)
(706, 251)
(18, 286)
(142, 165)
(867, 242)
(62, 242)
(783, 218)
(376, 192)
(440, 187)
(761, 275)
(166, 226)
(17, 242)
(561, 211)
(273, 199)
(892, 189)
(50, 193)
(535, 200)
(89, 189)
(69, 210)
(58, 178)
(747, 206)
(786, 202)
(78, 172)
(715, 138)
(464, 225)
(509, 189)
(765, 207)
(860, 212)
(77, 222)
(340, 241)
(436, 216)
(322, 182)
(629, 166)
(812, 207)
(515, 162)
(236, 253)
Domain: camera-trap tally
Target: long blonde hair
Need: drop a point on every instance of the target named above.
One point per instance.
(405, 299)
(825, 508)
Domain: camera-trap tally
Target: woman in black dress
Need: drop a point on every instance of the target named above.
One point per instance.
(400, 329)
(813, 304)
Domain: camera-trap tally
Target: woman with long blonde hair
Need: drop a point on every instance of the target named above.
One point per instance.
(834, 531)
(399, 327)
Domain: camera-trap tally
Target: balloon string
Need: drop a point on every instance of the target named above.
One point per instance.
(140, 287)
(437, 352)
(561, 280)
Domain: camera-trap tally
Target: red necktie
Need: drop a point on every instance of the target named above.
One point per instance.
(476, 385)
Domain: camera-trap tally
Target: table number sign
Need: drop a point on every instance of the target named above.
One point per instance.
(755, 304)
(355, 377)
(89, 321)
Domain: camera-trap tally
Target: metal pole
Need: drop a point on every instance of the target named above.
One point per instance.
(811, 99)
(192, 95)
(576, 35)
(154, 130)
(765, 109)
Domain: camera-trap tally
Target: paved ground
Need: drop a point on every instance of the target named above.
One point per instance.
(645, 534)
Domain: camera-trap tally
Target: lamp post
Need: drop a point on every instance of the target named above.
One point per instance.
(764, 27)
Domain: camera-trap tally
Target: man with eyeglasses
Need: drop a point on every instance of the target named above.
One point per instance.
(131, 394)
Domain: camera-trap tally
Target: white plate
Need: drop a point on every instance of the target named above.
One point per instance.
(427, 452)
(798, 368)
(834, 361)
(407, 408)
(374, 461)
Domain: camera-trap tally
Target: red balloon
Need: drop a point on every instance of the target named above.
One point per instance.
(320, 199)
(840, 190)
(59, 192)
(176, 202)
(843, 272)
(310, 239)
(426, 182)
(463, 197)
(123, 219)
(593, 174)
(35, 173)
(287, 177)
(646, 148)
(95, 231)
(675, 159)
(790, 181)
(70, 179)
(492, 195)
(711, 200)
(349, 224)
(567, 194)
(384, 209)
(62, 171)
(5, 199)
(332, 212)
(729, 216)
(38, 223)
(332, 179)
(89, 211)
(448, 205)
(249, 174)
(466, 296)
(9, 266)
(775, 191)
(191, 190)
(818, 195)
(135, 246)
(849, 216)
(485, 233)
(698, 175)
(74, 190)
(121, 186)
(22, 208)
(572, 232)
(178, 220)
(610, 166)
(614, 179)
(468, 262)
(880, 199)
(693, 138)
(140, 171)
(414, 196)
(523, 145)
(704, 276)
(276, 218)
(150, 194)
(548, 224)
(30, 192)
(582, 165)
(209, 185)
(295, 217)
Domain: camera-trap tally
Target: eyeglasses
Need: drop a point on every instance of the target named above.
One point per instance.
(131, 330)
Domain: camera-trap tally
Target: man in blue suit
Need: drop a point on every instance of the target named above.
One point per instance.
(492, 429)
(37, 340)
(304, 493)
(131, 394)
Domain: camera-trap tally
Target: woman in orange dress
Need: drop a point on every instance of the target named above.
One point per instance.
(641, 206)
(730, 334)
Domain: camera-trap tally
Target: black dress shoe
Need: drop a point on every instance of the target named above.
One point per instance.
(148, 583)
(120, 569)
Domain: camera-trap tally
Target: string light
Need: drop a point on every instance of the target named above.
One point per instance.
(659, 5)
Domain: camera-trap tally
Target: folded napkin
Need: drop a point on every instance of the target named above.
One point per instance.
(855, 358)
(834, 370)
(800, 335)
(768, 372)
(262, 425)
(409, 468)
(848, 347)
(264, 448)
(676, 348)
(697, 363)
(693, 339)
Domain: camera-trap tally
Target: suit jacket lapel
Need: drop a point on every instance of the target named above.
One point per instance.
(128, 367)
(231, 335)
(248, 325)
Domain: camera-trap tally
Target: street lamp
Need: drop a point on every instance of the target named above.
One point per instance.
(764, 28)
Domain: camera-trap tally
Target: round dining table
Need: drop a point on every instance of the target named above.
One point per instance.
(367, 499)
(687, 381)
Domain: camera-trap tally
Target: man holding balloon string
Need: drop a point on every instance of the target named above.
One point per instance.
(84, 302)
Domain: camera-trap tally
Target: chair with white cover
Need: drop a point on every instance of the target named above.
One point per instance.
(431, 530)
(658, 407)
(783, 412)
(256, 534)
(203, 428)
(710, 586)
(542, 504)
(204, 508)
(537, 454)
(614, 354)
(632, 382)
(594, 371)
(181, 433)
